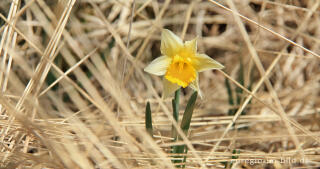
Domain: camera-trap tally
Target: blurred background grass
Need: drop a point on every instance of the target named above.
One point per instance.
(74, 91)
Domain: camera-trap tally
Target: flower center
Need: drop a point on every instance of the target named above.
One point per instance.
(181, 71)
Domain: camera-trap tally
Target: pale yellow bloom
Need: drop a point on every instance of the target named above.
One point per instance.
(180, 63)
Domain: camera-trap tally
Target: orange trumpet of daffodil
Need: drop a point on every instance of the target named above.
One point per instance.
(180, 63)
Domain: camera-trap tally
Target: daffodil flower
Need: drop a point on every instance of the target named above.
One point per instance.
(180, 63)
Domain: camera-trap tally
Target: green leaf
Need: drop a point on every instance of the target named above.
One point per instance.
(185, 157)
(187, 115)
(235, 152)
(230, 98)
(111, 43)
(149, 120)
(229, 90)
(239, 91)
(50, 79)
(230, 163)
(185, 125)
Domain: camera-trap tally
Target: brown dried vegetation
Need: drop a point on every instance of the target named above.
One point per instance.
(73, 90)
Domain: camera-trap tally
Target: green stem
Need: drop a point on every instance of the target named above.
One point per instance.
(175, 107)
(185, 125)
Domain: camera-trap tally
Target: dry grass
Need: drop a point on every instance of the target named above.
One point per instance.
(73, 90)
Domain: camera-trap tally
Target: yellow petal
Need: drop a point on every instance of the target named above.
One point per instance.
(158, 66)
(191, 45)
(180, 72)
(195, 86)
(202, 62)
(168, 88)
(170, 43)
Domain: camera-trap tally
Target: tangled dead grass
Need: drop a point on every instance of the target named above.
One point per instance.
(74, 93)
